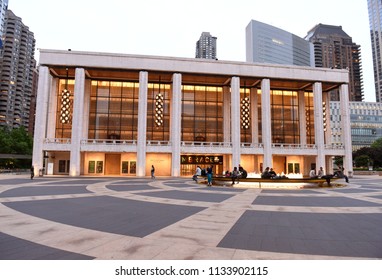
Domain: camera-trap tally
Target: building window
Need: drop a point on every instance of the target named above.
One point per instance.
(113, 110)
(202, 113)
(285, 117)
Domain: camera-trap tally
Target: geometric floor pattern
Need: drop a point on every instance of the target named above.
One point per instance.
(57, 218)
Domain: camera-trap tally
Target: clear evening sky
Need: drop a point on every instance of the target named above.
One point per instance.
(172, 27)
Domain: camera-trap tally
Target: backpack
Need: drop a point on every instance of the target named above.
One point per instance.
(204, 172)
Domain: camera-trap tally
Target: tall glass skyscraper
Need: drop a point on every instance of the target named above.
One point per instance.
(269, 44)
(375, 19)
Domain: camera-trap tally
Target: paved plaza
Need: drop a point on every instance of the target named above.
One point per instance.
(66, 218)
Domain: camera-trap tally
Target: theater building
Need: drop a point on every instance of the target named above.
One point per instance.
(108, 114)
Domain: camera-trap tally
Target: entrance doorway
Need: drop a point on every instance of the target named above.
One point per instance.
(112, 164)
(190, 162)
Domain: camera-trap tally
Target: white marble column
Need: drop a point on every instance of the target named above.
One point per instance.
(328, 132)
(42, 104)
(142, 124)
(52, 110)
(302, 117)
(235, 120)
(266, 122)
(85, 130)
(176, 123)
(254, 116)
(346, 128)
(318, 125)
(77, 122)
(227, 114)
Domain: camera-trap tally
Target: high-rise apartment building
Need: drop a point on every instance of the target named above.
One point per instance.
(17, 69)
(206, 46)
(269, 44)
(3, 10)
(375, 20)
(333, 48)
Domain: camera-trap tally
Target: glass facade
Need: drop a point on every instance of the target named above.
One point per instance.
(375, 21)
(113, 110)
(202, 113)
(285, 117)
(269, 44)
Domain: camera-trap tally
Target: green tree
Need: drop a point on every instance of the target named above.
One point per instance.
(16, 141)
(5, 141)
(377, 144)
(377, 153)
(22, 142)
(362, 161)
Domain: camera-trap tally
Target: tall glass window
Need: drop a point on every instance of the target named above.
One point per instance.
(158, 112)
(64, 108)
(202, 113)
(285, 118)
(113, 110)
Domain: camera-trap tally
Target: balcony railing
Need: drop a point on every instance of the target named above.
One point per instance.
(57, 141)
(335, 146)
(158, 143)
(107, 142)
(205, 144)
(293, 146)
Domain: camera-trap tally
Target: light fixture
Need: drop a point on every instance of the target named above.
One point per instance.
(245, 110)
(324, 114)
(159, 109)
(65, 107)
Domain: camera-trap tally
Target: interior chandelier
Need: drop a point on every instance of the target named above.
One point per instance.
(245, 113)
(65, 109)
(159, 109)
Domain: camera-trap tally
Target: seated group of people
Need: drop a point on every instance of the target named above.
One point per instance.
(269, 173)
(321, 174)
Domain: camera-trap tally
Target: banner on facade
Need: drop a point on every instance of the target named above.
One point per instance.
(201, 159)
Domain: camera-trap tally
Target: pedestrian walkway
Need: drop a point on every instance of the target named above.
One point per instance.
(175, 218)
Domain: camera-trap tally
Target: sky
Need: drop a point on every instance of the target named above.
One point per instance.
(172, 27)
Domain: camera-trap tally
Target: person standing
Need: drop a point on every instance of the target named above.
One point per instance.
(234, 175)
(209, 175)
(152, 172)
(32, 172)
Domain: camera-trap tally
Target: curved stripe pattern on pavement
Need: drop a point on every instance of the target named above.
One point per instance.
(175, 218)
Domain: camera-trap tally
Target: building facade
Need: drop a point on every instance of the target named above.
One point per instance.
(3, 11)
(17, 70)
(206, 46)
(365, 122)
(375, 21)
(269, 44)
(116, 114)
(333, 48)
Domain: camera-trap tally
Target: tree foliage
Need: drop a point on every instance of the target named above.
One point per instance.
(373, 153)
(15, 141)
